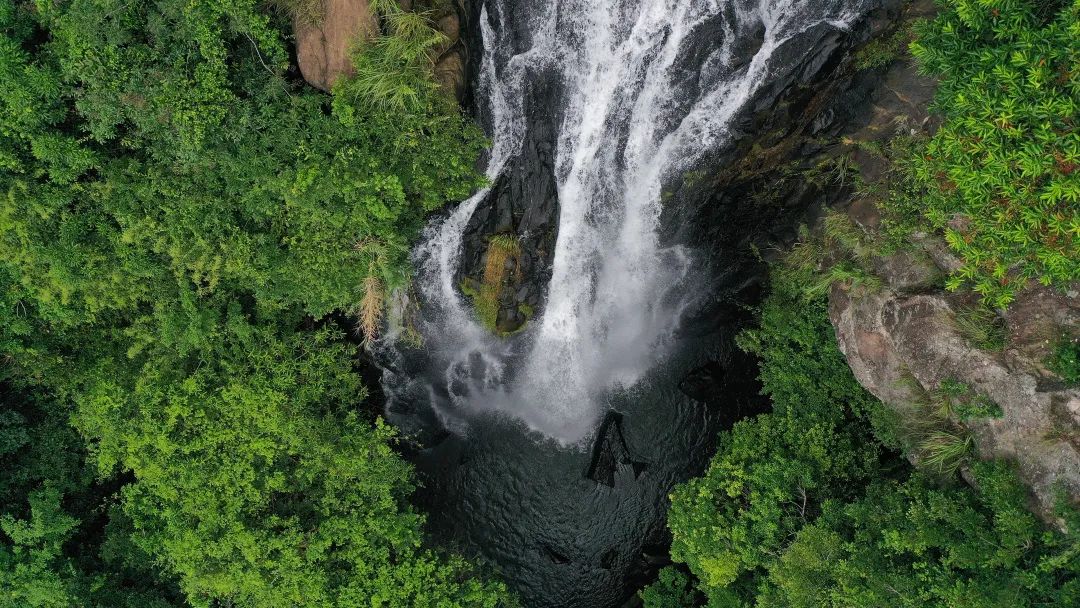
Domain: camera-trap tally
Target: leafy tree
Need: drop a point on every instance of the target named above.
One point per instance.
(672, 589)
(51, 555)
(178, 222)
(772, 473)
(919, 545)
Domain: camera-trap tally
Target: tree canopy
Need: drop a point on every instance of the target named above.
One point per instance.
(184, 225)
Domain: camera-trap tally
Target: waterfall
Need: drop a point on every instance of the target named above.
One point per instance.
(647, 89)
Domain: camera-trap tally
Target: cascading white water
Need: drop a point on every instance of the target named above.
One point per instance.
(632, 116)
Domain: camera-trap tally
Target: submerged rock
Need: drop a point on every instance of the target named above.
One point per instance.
(610, 454)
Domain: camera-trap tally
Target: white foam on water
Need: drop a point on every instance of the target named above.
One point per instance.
(630, 120)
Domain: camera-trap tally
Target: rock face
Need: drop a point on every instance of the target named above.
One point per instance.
(898, 334)
(748, 200)
(523, 202)
(902, 341)
(322, 45)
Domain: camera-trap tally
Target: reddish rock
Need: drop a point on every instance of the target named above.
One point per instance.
(450, 73)
(322, 48)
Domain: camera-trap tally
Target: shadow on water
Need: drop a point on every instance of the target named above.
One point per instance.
(583, 525)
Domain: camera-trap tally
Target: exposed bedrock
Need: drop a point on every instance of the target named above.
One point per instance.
(328, 32)
(897, 334)
(903, 341)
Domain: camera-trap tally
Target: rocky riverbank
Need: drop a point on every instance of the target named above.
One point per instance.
(911, 339)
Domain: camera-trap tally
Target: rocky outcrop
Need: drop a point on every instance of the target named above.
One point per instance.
(903, 341)
(523, 202)
(325, 37)
(898, 335)
(323, 40)
(452, 55)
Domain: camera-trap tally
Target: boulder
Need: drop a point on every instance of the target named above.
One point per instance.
(892, 337)
(450, 72)
(323, 45)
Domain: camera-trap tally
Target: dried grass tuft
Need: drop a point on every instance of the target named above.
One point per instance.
(372, 306)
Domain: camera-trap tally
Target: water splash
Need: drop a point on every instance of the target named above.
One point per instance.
(635, 112)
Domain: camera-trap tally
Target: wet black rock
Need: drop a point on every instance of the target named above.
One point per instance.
(610, 454)
(555, 556)
(522, 202)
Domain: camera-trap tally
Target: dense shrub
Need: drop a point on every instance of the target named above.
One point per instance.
(803, 508)
(915, 544)
(1000, 179)
(53, 550)
(772, 473)
(176, 219)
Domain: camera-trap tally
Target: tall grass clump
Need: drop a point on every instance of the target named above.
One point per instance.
(502, 248)
(394, 70)
(982, 327)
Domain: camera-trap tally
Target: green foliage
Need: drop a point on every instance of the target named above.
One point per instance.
(772, 473)
(273, 204)
(884, 50)
(945, 451)
(175, 219)
(258, 486)
(982, 327)
(805, 507)
(392, 70)
(49, 502)
(841, 252)
(956, 400)
(1001, 177)
(672, 589)
(914, 544)
(1065, 361)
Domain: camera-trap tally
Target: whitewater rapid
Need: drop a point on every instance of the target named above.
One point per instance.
(635, 114)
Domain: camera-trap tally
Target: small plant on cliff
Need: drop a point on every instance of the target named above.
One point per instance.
(1001, 177)
(945, 451)
(956, 400)
(1065, 360)
(981, 326)
(884, 50)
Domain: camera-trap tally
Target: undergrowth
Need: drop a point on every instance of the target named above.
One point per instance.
(1065, 360)
(1000, 179)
